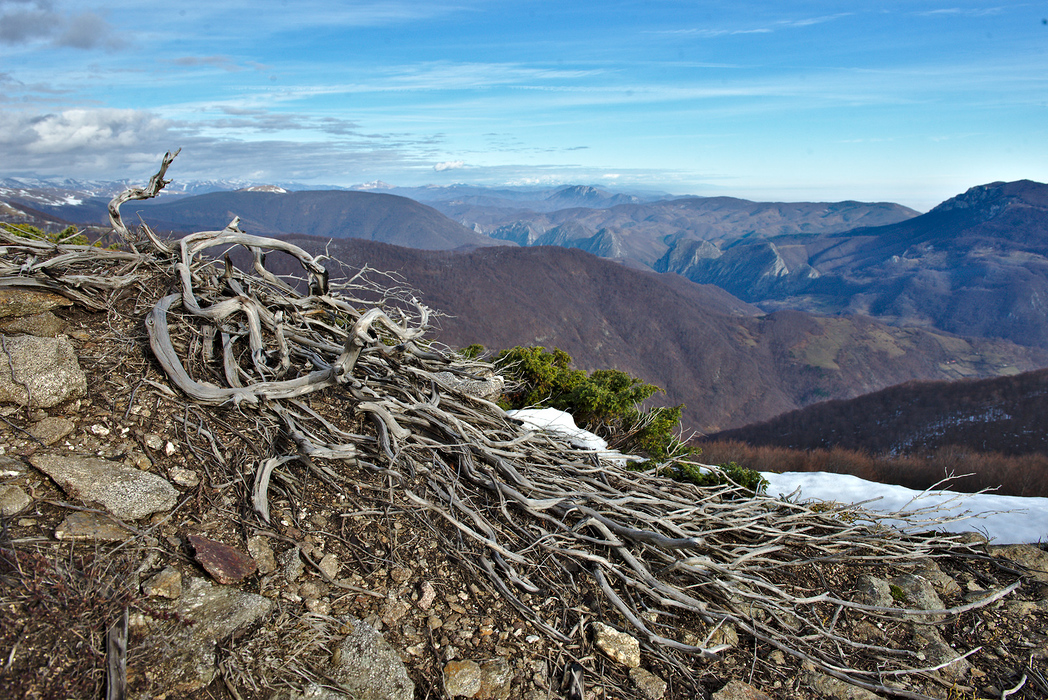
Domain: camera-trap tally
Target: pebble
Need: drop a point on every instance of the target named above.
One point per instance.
(462, 678)
(650, 685)
(428, 595)
(13, 499)
(619, 646)
(91, 526)
(330, 565)
(225, 564)
(51, 430)
(154, 441)
(166, 584)
(184, 477)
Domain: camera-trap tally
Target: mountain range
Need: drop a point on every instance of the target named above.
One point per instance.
(726, 360)
(760, 308)
(1007, 415)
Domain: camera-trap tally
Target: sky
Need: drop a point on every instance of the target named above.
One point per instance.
(1002, 519)
(911, 102)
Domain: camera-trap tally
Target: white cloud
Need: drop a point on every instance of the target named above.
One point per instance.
(449, 165)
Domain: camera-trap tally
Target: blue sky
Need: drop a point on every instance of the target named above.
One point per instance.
(910, 102)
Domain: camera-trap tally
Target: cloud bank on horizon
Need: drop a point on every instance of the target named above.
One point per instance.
(907, 101)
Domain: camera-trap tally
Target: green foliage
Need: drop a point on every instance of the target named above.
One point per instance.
(607, 402)
(70, 235)
(731, 472)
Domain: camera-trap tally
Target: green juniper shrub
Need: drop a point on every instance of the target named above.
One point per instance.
(606, 402)
(70, 235)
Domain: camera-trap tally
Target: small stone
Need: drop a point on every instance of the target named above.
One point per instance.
(292, 564)
(726, 635)
(48, 367)
(15, 301)
(170, 449)
(91, 526)
(428, 595)
(496, 677)
(737, 690)
(318, 606)
(399, 574)
(166, 584)
(330, 565)
(777, 658)
(619, 646)
(462, 678)
(42, 325)
(650, 685)
(225, 564)
(394, 610)
(99, 430)
(9, 466)
(13, 500)
(434, 622)
(127, 493)
(153, 441)
(184, 477)
(259, 549)
(51, 430)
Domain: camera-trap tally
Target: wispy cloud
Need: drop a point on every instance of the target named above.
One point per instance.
(26, 21)
(961, 12)
(223, 62)
(449, 165)
(764, 28)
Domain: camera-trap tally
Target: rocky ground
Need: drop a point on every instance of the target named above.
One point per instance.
(118, 496)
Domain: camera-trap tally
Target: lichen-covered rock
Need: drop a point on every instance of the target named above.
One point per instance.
(47, 367)
(127, 493)
(649, 685)
(24, 302)
(13, 499)
(43, 325)
(462, 678)
(166, 584)
(1030, 556)
(619, 646)
(181, 652)
(369, 668)
(737, 690)
(496, 677)
(91, 526)
(51, 430)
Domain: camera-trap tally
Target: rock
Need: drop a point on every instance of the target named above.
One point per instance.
(726, 635)
(937, 651)
(184, 654)
(400, 574)
(225, 564)
(943, 584)
(91, 526)
(394, 609)
(649, 685)
(127, 493)
(51, 430)
(329, 565)
(166, 584)
(43, 325)
(428, 595)
(259, 549)
(835, 688)
(462, 678)
(184, 477)
(737, 690)
(23, 302)
(1030, 556)
(918, 593)
(870, 590)
(48, 366)
(619, 646)
(153, 441)
(9, 466)
(292, 564)
(496, 679)
(368, 668)
(13, 500)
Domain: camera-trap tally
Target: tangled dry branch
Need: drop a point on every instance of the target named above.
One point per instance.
(564, 538)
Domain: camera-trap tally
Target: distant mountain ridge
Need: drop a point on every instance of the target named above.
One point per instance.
(726, 362)
(1008, 415)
